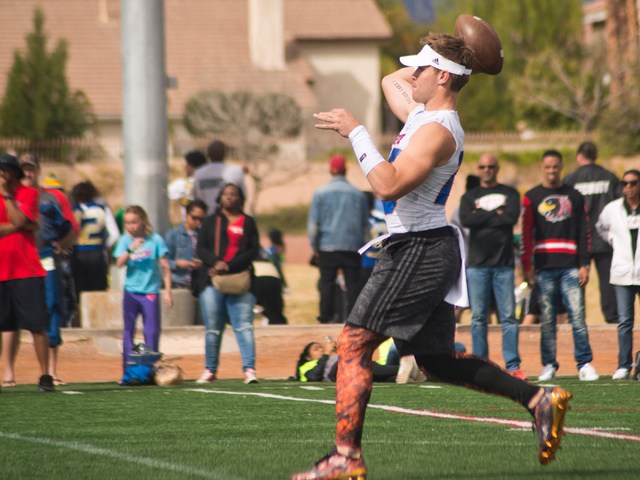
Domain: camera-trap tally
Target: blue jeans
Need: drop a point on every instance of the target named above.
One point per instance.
(625, 296)
(563, 282)
(52, 292)
(218, 309)
(482, 281)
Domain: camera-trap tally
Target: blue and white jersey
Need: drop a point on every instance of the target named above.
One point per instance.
(92, 218)
(423, 208)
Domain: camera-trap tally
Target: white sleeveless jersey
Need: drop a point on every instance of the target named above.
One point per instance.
(423, 208)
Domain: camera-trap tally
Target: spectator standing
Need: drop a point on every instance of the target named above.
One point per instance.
(55, 237)
(144, 253)
(23, 302)
(270, 282)
(182, 241)
(269, 286)
(98, 234)
(209, 179)
(181, 189)
(277, 248)
(228, 242)
(490, 212)
(598, 186)
(338, 226)
(618, 225)
(555, 230)
(69, 300)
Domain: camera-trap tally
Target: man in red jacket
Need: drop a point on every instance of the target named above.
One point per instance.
(22, 289)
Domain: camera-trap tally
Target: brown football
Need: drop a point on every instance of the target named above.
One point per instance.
(485, 43)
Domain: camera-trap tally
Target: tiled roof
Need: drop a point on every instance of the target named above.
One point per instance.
(206, 44)
(335, 19)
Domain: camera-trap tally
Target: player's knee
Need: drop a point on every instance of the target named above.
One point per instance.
(433, 365)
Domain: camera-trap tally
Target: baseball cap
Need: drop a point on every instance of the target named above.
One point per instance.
(29, 159)
(51, 181)
(337, 164)
(8, 161)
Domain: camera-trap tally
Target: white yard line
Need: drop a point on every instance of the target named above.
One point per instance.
(590, 432)
(104, 452)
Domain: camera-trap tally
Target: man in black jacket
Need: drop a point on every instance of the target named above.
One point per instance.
(490, 211)
(555, 229)
(598, 186)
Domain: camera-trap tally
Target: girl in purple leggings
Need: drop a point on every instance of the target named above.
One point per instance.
(145, 255)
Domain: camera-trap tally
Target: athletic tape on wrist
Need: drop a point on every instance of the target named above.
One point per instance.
(366, 152)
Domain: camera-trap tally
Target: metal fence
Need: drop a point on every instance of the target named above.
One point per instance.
(63, 150)
(72, 150)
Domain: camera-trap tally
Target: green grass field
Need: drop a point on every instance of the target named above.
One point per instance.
(230, 431)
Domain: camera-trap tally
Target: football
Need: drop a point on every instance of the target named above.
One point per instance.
(483, 40)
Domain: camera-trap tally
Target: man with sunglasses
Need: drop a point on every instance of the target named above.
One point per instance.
(490, 212)
(618, 225)
(181, 242)
(598, 186)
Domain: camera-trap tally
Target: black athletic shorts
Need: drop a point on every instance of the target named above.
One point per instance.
(23, 305)
(404, 296)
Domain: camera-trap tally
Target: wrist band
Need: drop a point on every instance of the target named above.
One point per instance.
(366, 152)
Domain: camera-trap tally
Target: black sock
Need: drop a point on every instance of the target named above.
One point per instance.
(477, 373)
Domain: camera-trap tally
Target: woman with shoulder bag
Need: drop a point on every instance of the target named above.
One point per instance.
(228, 242)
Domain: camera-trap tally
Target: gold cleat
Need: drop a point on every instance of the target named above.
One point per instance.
(335, 466)
(549, 417)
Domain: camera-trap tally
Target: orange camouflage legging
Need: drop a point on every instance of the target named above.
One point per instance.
(355, 379)
(354, 382)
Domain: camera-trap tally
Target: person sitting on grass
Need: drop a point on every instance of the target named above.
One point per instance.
(315, 365)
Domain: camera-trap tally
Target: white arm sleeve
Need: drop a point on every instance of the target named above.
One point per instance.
(366, 152)
(113, 234)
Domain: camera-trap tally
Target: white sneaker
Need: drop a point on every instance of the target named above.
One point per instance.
(207, 377)
(548, 373)
(417, 375)
(407, 365)
(621, 374)
(588, 374)
(250, 376)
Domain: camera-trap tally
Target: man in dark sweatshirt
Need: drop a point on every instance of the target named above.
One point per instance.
(555, 231)
(598, 186)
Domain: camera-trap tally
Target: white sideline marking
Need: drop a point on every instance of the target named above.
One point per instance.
(145, 461)
(312, 388)
(72, 392)
(589, 432)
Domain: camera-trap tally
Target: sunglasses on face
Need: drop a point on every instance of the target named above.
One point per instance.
(486, 167)
(197, 219)
(632, 183)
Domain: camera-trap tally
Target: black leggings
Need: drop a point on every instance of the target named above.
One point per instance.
(478, 373)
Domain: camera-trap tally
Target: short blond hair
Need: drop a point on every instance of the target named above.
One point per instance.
(454, 49)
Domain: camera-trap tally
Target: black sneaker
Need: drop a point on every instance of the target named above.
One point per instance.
(46, 384)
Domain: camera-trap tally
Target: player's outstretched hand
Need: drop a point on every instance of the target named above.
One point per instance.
(338, 119)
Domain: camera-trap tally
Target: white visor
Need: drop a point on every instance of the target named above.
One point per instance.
(429, 57)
